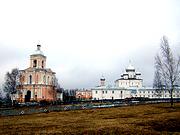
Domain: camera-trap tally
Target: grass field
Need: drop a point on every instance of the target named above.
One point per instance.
(141, 119)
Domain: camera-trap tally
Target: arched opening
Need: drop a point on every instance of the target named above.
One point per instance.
(35, 63)
(28, 96)
(48, 80)
(44, 79)
(42, 64)
(52, 81)
(30, 79)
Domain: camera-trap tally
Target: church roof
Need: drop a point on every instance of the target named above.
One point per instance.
(38, 69)
(38, 51)
(128, 79)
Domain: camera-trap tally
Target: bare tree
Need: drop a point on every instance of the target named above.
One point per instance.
(166, 69)
(157, 84)
(11, 82)
(1, 96)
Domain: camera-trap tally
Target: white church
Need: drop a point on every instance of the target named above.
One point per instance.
(129, 85)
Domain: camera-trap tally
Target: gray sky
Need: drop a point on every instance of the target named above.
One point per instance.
(85, 39)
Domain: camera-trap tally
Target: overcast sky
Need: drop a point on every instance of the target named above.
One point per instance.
(85, 39)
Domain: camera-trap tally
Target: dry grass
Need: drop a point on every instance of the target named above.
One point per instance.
(142, 119)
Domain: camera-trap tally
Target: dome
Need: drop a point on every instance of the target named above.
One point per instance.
(38, 51)
(138, 73)
(130, 67)
(102, 78)
(125, 73)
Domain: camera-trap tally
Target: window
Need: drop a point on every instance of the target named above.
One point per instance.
(35, 63)
(44, 79)
(113, 91)
(121, 92)
(48, 80)
(103, 92)
(52, 81)
(106, 91)
(96, 92)
(42, 64)
(30, 79)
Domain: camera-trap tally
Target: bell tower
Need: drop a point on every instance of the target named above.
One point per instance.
(37, 59)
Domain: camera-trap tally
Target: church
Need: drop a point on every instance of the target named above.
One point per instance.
(130, 78)
(36, 83)
(129, 85)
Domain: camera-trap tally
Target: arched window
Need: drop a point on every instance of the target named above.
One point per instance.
(52, 81)
(42, 64)
(48, 80)
(35, 63)
(30, 79)
(44, 79)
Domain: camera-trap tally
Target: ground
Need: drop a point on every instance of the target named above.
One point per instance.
(140, 119)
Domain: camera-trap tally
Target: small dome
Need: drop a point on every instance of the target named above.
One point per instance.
(125, 73)
(138, 73)
(38, 51)
(102, 78)
(130, 67)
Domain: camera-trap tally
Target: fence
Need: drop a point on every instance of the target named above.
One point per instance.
(51, 108)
